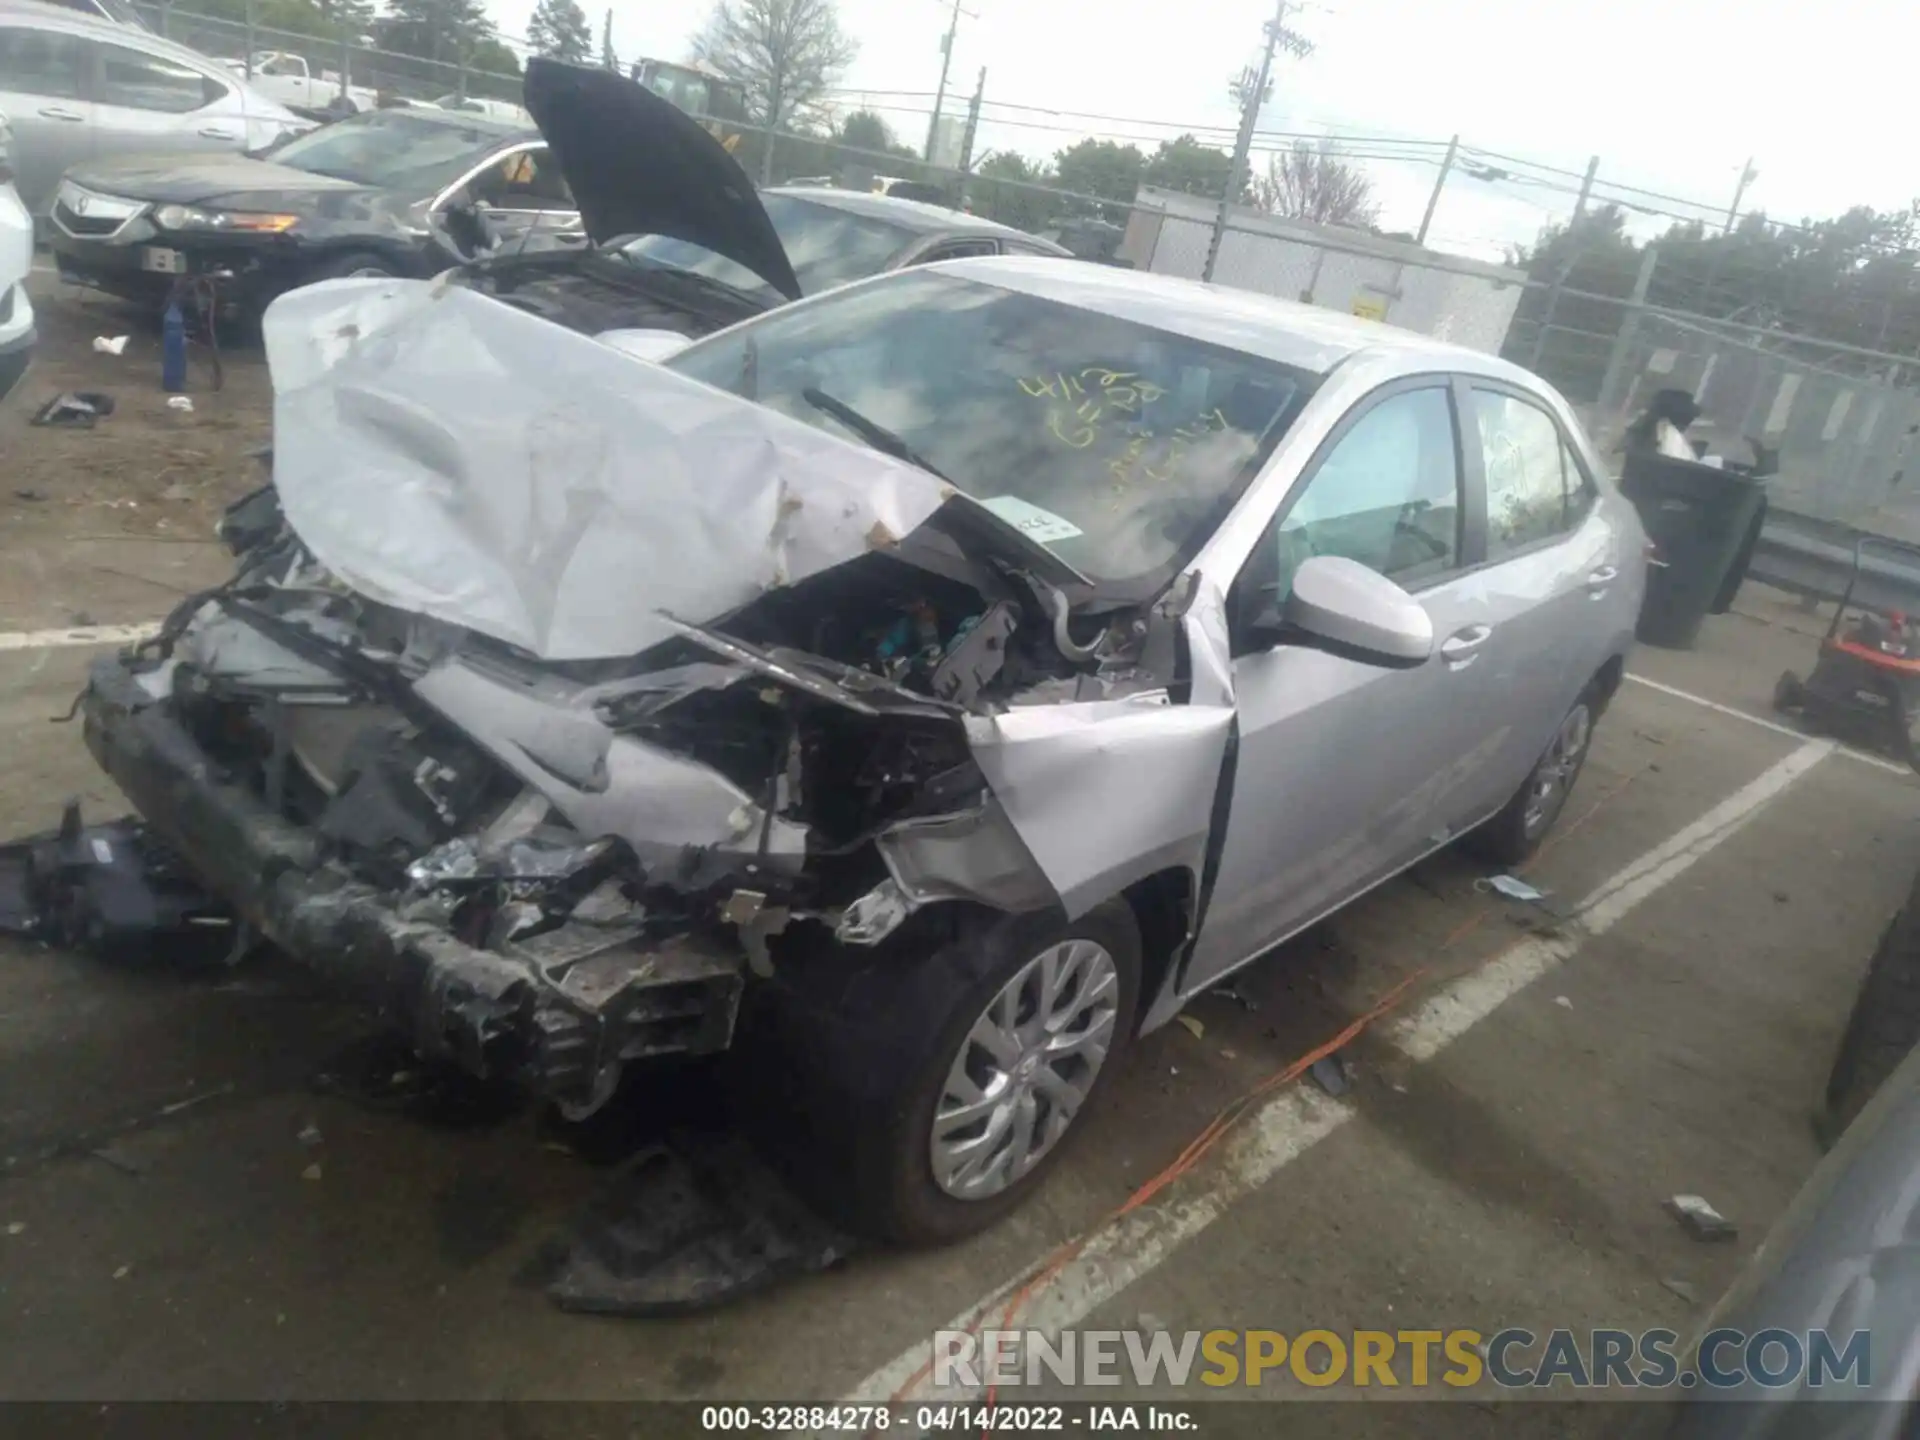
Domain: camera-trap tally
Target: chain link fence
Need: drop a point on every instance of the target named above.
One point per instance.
(354, 68)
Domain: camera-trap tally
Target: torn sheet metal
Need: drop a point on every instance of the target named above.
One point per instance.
(667, 807)
(540, 487)
(976, 855)
(1106, 792)
(1209, 648)
(226, 647)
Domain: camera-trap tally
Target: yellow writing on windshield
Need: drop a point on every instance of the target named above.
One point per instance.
(1079, 402)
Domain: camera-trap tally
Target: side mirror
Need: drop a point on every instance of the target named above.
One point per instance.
(1342, 607)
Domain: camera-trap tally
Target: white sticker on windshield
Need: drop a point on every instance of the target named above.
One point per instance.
(1031, 521)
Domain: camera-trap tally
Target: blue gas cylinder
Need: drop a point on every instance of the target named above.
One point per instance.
(173, 350)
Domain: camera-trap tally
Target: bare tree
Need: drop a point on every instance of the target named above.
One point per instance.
(784, 53)
(1315, 182)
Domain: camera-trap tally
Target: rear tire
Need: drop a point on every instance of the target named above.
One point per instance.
(844, 1078)
(1883, 1027)
(1514, 835)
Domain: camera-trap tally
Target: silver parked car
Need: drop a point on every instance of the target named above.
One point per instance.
(77, 88)
(917, 691)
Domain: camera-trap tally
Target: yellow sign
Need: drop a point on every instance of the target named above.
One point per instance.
(1370, 307)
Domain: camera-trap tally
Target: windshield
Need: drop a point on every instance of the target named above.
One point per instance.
(828, 247)
(390, 149)
(1117, 446)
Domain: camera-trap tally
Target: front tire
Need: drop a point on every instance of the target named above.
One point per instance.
(931, 1094)
(1514, 835)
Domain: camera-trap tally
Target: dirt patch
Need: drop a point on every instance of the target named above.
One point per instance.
(133, 500)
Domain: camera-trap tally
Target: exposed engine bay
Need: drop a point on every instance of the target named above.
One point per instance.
(592, 292)
(802, 766)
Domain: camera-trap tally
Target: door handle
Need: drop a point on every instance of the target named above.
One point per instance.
(1459, 648)
(1600, 579)
(214, 132)
(57, 112)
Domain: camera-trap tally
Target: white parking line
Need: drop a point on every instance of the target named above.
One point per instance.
(1879, 762)
(1297, 1118)
(76, 635)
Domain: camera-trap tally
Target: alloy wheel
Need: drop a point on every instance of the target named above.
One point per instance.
(1024, 1069)
(1553, 777)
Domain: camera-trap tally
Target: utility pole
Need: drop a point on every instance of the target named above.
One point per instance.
(967, 135)
(1243, 141)
(946, 63)
(1747, 176)
(1573, 254)
(1704, 303)
(1433, 200)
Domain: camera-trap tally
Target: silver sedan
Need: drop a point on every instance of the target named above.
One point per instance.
(935, 683)
(77, 88)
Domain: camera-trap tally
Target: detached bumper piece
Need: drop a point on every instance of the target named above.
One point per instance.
(561, 1012)
(688, 1226)
(112, 889)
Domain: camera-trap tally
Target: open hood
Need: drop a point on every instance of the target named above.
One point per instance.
(450, 455)
(638, 165)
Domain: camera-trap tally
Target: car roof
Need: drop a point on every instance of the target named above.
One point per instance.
(480, 120)
(80, 22)
(1306, 337)
(914, 215)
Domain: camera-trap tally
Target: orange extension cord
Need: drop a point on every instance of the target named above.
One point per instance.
(1237, 1109)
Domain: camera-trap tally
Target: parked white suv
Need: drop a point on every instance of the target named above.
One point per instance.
(16, 259)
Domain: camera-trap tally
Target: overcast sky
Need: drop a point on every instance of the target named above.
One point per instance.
(1673, 95)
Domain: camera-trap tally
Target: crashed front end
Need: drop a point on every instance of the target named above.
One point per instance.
(442, 739)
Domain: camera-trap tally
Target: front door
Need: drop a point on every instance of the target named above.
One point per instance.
(1346, 772)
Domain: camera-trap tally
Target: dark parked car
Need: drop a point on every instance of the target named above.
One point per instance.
(621, 213)
(360, 197)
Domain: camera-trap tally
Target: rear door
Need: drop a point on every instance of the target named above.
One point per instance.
(1346, 772)
(147, 102)
(43, 94)
(1551, 563)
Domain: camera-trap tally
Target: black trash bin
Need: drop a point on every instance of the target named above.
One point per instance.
(1701, 520)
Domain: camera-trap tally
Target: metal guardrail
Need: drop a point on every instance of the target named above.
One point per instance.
(1814, 558)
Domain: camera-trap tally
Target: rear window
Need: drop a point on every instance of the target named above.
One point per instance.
(826, 245)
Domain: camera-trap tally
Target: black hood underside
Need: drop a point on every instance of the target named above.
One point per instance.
(638, 165)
